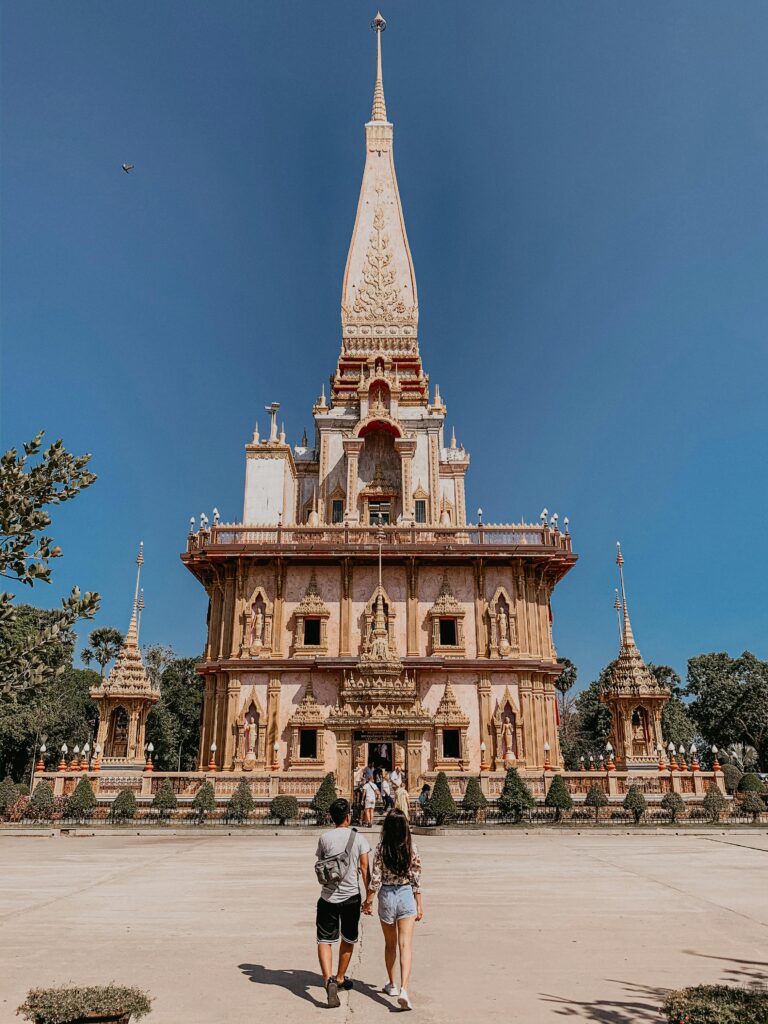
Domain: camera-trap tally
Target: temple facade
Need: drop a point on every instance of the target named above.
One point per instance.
(355, 614)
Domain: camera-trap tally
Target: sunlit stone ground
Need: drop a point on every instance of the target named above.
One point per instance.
(518, 927)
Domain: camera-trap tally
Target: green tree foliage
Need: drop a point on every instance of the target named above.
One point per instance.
(284, 808)
(515, 797)
(596, 797)
(324, 797)
(173, 724)
(751, 783)
(753, 804)
(104, 644)
(164, 800)
(123, 806)
(732, 777)
(204, 801)
(29, 484)
(41, 802)
(474, 799)
(567, 678)
(673, 803)
(442, 806)
(716, 1004)
(8, 795)
(677, 722)
(714, 803)
(241, 802)
(730, 700)
(82, 800)
(558, 798)
(635, 802)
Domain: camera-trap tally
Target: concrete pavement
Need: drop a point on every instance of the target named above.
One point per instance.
(519, 927)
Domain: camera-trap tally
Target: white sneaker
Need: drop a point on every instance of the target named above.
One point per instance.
(390, 989)
(404, 1001)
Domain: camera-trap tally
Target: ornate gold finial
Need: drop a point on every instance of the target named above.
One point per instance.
(627, 637)
(379, 106)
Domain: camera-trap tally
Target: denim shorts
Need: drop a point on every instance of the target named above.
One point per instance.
(396, 902)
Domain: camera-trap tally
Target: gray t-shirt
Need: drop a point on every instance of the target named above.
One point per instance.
(330, 845)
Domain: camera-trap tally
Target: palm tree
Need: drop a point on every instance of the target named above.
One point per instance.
(103, 645)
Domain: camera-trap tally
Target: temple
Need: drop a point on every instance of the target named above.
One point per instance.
(355, 615)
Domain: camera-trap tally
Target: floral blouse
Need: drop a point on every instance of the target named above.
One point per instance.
(381, 875)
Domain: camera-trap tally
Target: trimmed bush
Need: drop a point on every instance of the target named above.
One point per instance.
(515, 797)
(716, 1004)
(636, 803)
(41, 802)
(673, 803)
(558, 797)
(8, 795)
(753, 804)
(752, 783)
(22, 789)
(204, 801)
(241, 802)
(714, 803)
(323, 798)
(123, 806)
(731, 777)
(474, 799)
(165, 800)
(596, 797)
(82, 800)
(62, 1005)
(284, 808)
(441, 805)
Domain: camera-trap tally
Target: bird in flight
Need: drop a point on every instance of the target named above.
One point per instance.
(127, 168)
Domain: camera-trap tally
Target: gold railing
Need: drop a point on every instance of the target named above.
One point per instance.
(308, 537)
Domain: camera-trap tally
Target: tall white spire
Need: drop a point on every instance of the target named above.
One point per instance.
(379, 105)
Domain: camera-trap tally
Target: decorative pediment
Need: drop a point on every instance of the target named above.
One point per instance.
(310, 631)
(312, 603)
(308, 713)
(508, 697)
(447, 622)
(449, 713)
(446, 603)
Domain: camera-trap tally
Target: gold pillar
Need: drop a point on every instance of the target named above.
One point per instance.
(406, 449)
(232, 708)
(481, 605)
(352, 448)
(414, 759)
(486, 716)
(345, 608)
(209, 702)
(344, 767)
(228, 612)
(273, 715)
(277, 611)
(412, 606)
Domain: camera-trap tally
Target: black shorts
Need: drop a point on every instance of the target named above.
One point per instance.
(335, 918)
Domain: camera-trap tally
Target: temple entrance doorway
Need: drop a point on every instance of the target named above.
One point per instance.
(380, 755)
(380, 748)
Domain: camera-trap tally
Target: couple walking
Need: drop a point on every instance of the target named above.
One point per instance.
(342, 861)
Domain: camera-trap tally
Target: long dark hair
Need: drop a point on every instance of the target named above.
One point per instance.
(396, 849)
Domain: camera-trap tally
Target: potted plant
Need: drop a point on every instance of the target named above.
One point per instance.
(94, 1004)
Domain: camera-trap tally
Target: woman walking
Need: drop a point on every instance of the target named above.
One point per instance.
(396, 877)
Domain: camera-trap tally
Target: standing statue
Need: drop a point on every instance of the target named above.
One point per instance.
(257, 630)
(508, 741)
(503, 625)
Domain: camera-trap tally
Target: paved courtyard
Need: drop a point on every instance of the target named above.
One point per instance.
(518, 927)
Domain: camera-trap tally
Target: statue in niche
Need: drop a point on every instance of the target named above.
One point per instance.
(257, 623)
(508, 741)
(250, 739)
(503, 625)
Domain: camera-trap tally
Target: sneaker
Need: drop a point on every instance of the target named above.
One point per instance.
(390, 989)
(346, 984)
(332, 988)
(403, 1000)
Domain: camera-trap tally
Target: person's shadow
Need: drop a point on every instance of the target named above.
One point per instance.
(300, 983)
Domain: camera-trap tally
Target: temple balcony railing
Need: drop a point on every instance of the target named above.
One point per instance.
(361, 537)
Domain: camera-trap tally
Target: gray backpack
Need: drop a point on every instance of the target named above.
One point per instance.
(331, 870)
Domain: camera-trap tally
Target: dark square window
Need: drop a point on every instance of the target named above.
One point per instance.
(447, 632)
(337, 511)
(451, 743)
(308, 743)
(379, 512)
(421, 510)
(311, 632)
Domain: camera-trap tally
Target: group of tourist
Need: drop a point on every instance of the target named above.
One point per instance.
(377, 784)
(342, 860)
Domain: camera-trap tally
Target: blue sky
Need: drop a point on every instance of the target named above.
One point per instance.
(585, 194)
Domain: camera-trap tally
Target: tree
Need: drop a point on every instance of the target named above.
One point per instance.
(173, 724)
(104, 644)
(714, 803)
(751, 783)
(558, 798)
(635, 802)
(284, 808)
(732, 777)
(677, 723)
(596, 797)
(730, 700)
(241, 802)
(515, 796)
(81, 802)
(164, 800)
(324, 797)
(753, 804)
(123, 806)
(8, 795)
(594, 715)
(567, 678)
(474, 799)
(673, 803)
(442, 806)
(27, 490)
(204, 801)
(41, 802)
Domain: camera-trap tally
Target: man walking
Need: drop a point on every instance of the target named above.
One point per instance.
(370, 796)
(338, 909)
